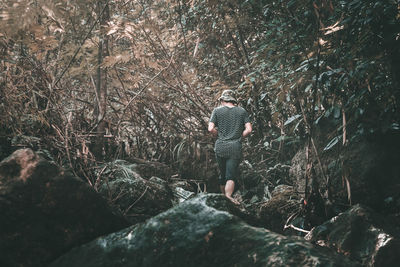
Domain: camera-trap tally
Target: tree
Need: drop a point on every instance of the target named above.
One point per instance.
(162, 64)
(100, 110)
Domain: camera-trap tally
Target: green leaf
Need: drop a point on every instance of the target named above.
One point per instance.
(291, 119)
(308, 88)
(336, 112)
(395, 126)
(332, 143)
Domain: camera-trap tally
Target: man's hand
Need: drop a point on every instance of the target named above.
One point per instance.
(247, 130)
(212, 129)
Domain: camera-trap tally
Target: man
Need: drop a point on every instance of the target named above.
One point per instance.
(231, 123)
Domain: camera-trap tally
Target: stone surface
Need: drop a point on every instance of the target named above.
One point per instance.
(181, 194)
(297, 170)
(198, 232)
(44, 212)
(366, 171)
(274, 213)
(5, 146)
(148, 169)
(358, 233)
(135, 197)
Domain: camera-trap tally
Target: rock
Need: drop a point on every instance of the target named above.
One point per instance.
(158, 181)
(181, 194)
(373, 169)
(278, 174)
(23, 166)
(255, 188)
(260, 185)
(275, 212)
(199, 232)
(185, 184)
(136, 198)
(357, 233)
(5, 146)
(366, 171)
(44, 212)
(26, 141)
(182, 190)
(297, 170)
(148, 169)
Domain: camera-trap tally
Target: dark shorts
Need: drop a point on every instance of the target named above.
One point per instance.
(228, 169)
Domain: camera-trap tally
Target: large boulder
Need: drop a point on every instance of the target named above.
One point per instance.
(364, 171)
(359, 233)
(45, 212)
(135, 197)
(199, 232)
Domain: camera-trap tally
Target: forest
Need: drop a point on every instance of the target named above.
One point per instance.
(104, 109)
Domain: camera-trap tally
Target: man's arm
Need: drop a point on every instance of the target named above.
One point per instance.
(212, 129)
(247, 129)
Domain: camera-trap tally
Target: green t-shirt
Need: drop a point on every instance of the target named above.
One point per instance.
(230, 123)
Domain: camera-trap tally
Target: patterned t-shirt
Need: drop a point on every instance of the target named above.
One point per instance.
(230, 122)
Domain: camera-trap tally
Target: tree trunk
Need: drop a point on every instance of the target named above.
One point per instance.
(99, 148)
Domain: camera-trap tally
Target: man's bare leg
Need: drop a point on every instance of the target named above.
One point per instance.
(229, 188)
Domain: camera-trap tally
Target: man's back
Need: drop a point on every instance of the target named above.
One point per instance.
(230, 122)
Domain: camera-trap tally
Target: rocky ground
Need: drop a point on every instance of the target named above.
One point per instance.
(141, 215)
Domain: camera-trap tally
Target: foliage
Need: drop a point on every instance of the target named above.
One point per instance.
(291, 62)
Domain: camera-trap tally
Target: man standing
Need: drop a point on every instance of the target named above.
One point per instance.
(231, 123)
